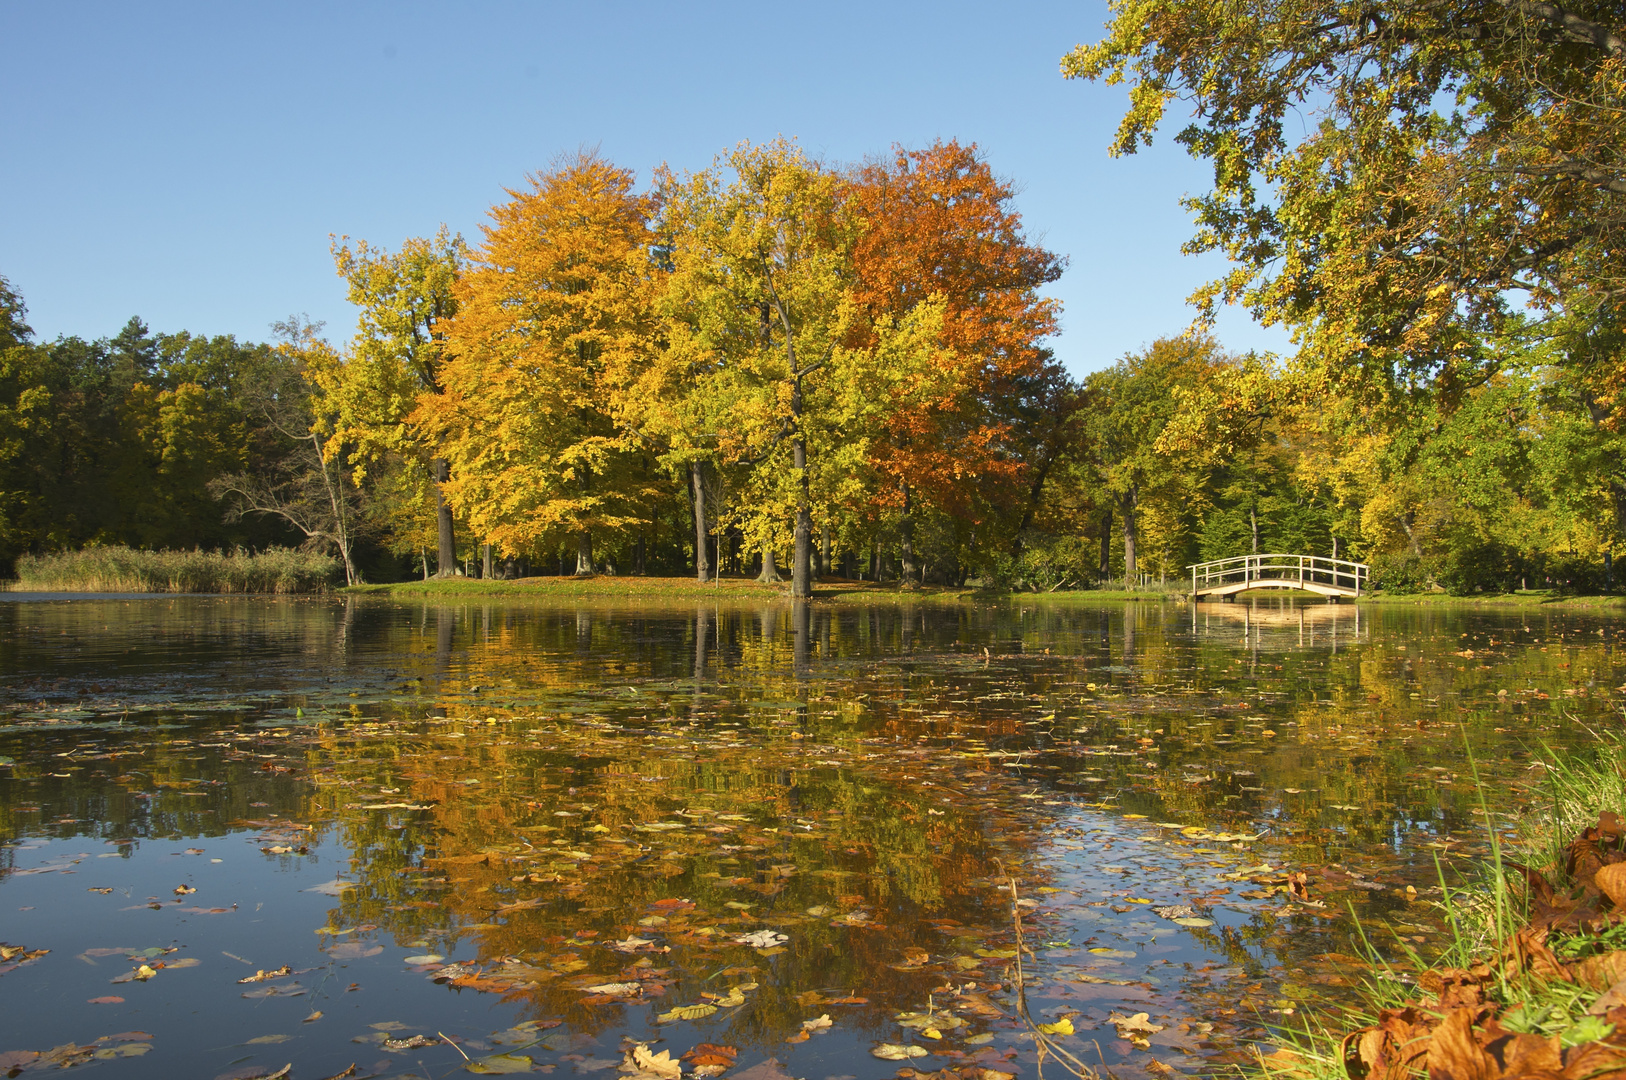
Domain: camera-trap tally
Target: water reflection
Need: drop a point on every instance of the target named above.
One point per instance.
(558, 800)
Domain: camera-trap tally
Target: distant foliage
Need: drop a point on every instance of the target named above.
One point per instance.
(122, 569)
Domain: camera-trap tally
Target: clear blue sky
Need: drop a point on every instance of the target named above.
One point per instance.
(186, 162)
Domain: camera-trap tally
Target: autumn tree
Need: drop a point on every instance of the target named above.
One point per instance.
(1395, 180)
(407, 300)
(547, 339)
(759, 253)
(938, 223)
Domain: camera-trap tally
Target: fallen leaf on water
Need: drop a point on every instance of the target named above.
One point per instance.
(711, 1054)
(313, 1017)
(762, 939)
(19, 953)
(1064, 1026)
(184, 890)
(500, 1065)
(426, 958)
(620, 989)
(267, 1039)
(414, 1043)
(799, 1037)
(1116, 954)
(1194, 920)
(818, 1023)
(662, 1064)
(999, 954)
(686, 1012)
(262, 975)
(898, 1052)
(1139, 1023)
(110, 999)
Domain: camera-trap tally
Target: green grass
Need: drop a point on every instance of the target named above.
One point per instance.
(1524, 598)
(122, 569)
(597, 587)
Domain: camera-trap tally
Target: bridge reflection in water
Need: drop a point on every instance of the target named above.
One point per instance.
(1224, 578)
(1277, 623)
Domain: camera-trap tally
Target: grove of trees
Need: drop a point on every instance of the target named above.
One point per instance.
(777, 366)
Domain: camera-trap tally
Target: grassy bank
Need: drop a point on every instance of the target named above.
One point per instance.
(122, 569)
(1534, 983)
(602, 587)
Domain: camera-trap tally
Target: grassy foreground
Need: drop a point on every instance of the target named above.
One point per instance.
(1534, 983)
(122, 569)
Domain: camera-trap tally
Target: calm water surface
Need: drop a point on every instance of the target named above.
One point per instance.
(547, 834)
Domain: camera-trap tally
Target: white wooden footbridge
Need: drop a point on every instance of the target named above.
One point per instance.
(1223, 578)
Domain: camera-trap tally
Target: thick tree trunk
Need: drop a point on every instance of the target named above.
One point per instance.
(801, 569)
(1126, 510)
(906, 530)
(446, 555)
(486, 568)
(584, 553)
(824, 551)
(1106, 546)
(770, 572)
(702, 557)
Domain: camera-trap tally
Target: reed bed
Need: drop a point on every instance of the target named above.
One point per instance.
(122, 569)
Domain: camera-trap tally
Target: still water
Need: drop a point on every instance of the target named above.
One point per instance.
(425, 839)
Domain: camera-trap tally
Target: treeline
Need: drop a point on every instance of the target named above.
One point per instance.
(775, 365)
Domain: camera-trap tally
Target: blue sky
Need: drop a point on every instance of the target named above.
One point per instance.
(187, 162)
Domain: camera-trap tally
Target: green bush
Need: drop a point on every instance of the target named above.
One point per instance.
(122, 569)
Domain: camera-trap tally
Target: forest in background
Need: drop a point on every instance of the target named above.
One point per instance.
(776, 365)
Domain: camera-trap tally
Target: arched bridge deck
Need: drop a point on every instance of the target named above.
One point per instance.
(1332, 578)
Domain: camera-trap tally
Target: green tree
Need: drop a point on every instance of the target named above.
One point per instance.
(1392, 179)
(407, 300)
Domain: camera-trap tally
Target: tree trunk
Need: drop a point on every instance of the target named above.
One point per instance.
(446, 555)
(584, 553)
(801, 568)
(1126, 510)
(1253, 521)
(423, 557)
(824, 551)
(906, 531)
(702, 557)
(770, 572)
(1106, 546)
(486, 568)
(638, 556)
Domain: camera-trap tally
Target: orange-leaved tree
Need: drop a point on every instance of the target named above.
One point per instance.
(551, 317)
(938, 222)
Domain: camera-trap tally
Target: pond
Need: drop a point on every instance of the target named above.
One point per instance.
(368, 838)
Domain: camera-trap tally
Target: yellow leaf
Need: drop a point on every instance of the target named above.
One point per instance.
(1064, 1026)
(686, 1012)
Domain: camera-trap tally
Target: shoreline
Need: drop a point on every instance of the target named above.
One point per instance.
(1535, 978)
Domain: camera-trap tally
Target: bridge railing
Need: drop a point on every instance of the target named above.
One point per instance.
(1279, 570)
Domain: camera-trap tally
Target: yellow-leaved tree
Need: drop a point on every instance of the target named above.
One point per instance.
(407, 301)
(550, 328)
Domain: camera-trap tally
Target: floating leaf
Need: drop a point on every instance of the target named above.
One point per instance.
(686, 1012)
(1194, 920)
(1064, 1026)
(500, 1065)
(897, 1052)
(1116, 954)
